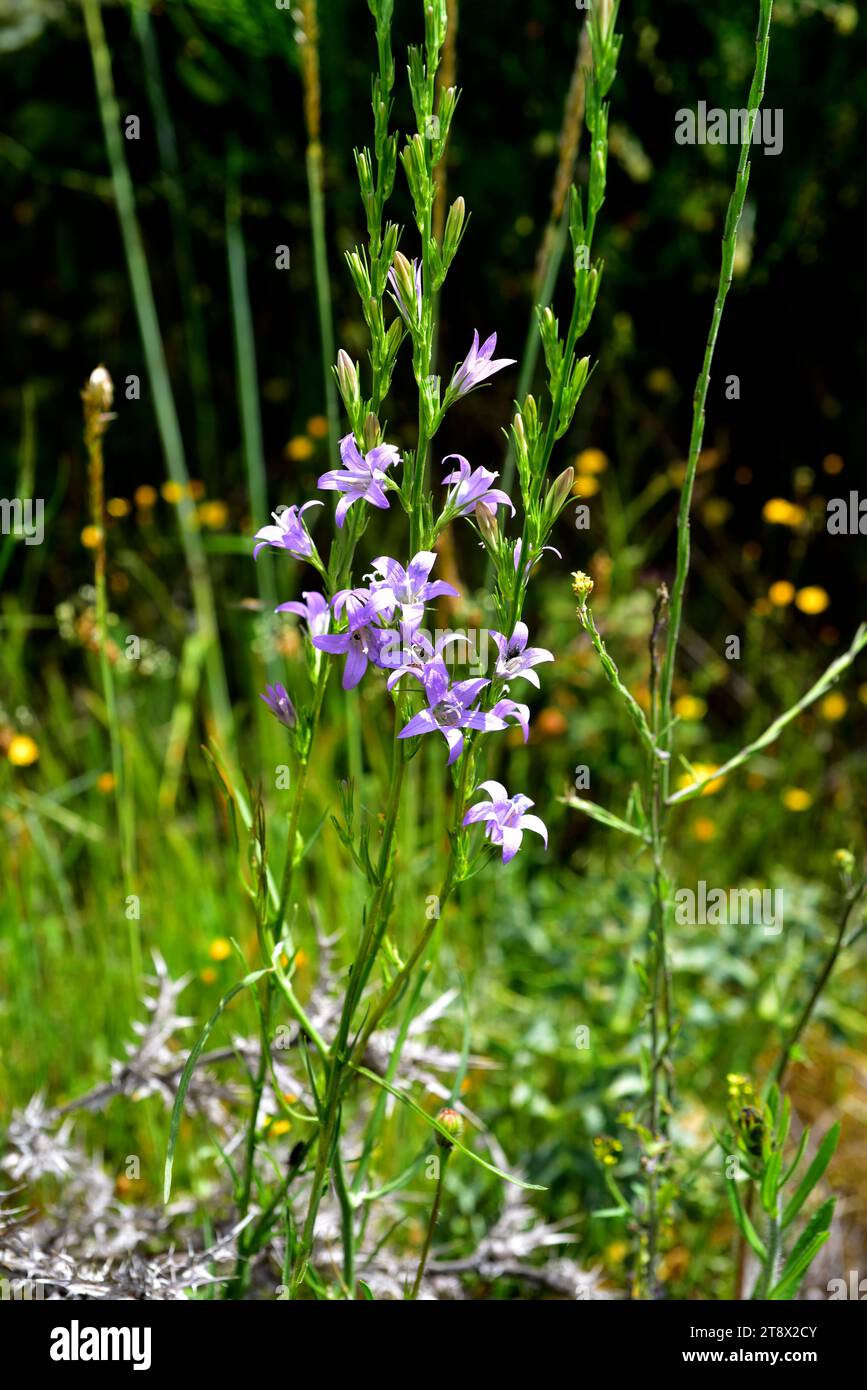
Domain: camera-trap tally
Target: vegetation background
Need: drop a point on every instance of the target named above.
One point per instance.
(546, 947)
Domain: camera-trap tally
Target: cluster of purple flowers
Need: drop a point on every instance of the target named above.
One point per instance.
(380, 624)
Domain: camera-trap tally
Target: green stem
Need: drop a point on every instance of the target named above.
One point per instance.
(329, 1120)
(729, 246)
(164, 404)
(773, 731)
(246, 375)
(94, 429)
(431, 1225)
(852, 900)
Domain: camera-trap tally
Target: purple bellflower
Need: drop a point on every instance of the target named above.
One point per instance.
(515, 658)
(450, 708)
(360, 644)
(290, 533)
(534, 559)
(278, 702)
(477, 366)
(315, 612)
(506, 709)
(470, 486)
(363, 476)
(414, 651)
(410, 588)
(506, 818)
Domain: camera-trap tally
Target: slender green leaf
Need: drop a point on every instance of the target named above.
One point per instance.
(812, 1175)
(789, 1285)
(744, 1224)
(598, 813)
(189, 1068)
(441, 1129)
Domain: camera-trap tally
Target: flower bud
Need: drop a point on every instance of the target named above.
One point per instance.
(453, 1123)
(845, 861)
(347, 378)
(454, 229)
(100, 389)
(403, 274)
(487, 524)
(371, 432)
(365, 178)
(359, 272)
(558, 493)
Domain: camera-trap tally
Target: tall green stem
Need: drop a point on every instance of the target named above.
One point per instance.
(729, 246)
(164, 404)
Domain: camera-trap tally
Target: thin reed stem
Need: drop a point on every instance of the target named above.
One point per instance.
(164, 404)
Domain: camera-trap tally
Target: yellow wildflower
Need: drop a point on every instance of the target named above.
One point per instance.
(213, 514)
(781, 593)
(22, 751)
(812, 599)
(797, 799)
(299, 448)
(834, 706)
(591, 461)
(689, 707)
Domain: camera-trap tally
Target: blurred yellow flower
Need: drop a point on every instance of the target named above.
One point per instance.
(145, 495)
(220, 948)
(591, 461)
(105, 782)
(701, 771)
(317, 427)
(118, 506)
(660, 381)
(782, 513)
(832, 464)
(279, 1127)
(834, 706)
(797, 799)
(689, 707)
(704, 830)
(91, 536)
(812, 599)
(301, 959)
(781, 593)
(22, 751)
(716, 511)
(299, 448)
(172, 492)
(585, 485)
(208, 976)
(213, 514)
